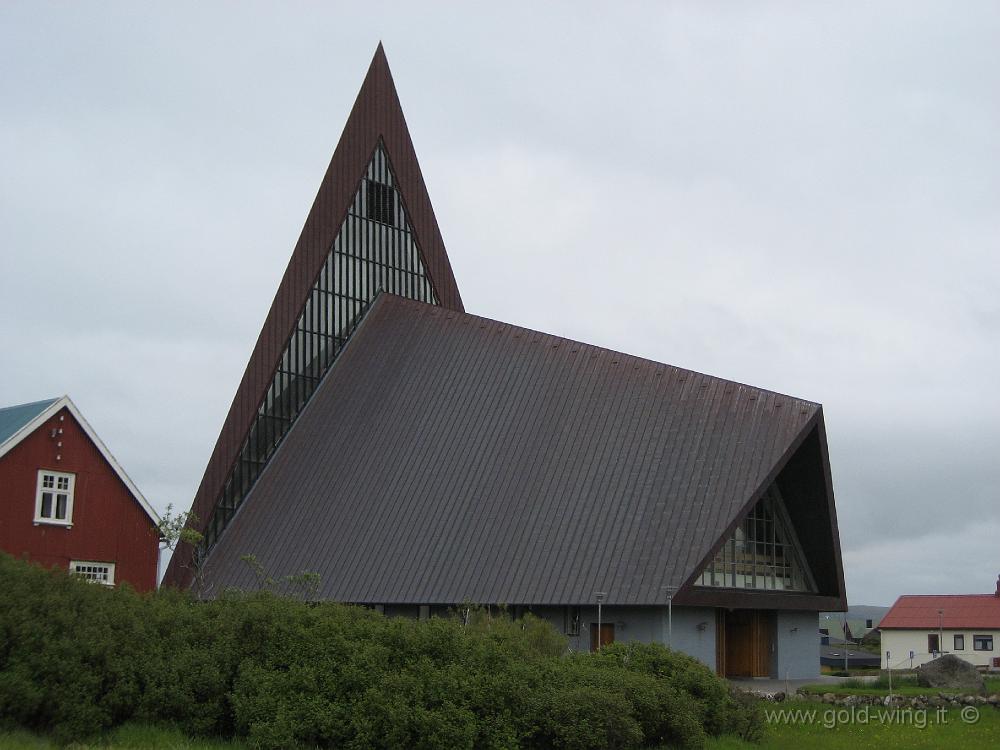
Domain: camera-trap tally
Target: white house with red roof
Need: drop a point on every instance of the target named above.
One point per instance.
(918, 629)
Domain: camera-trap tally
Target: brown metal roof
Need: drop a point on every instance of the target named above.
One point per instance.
(448, 457)
(376, 114)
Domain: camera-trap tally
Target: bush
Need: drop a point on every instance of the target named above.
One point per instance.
(78, 659)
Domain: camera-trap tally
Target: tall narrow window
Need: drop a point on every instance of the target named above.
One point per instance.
(54, 497)
(375, 250)
(380, 202)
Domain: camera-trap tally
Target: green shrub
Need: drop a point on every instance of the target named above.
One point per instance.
(705, 698)
(77, 660)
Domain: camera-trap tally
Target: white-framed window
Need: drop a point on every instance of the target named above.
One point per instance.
(98, 572)
(982, 642)
(54, 497)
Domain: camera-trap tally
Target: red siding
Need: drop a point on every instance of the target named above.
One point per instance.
(109, 525)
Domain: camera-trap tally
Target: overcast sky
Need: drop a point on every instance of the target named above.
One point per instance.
(803, 197)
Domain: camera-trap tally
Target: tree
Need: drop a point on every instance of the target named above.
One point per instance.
(177, 529)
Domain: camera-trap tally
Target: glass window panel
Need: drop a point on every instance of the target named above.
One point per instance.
(375, 249)
(762, 553)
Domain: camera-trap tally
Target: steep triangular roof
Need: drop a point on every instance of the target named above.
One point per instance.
(376, 121)
(18, 422)
(803, 477)
(448, 457)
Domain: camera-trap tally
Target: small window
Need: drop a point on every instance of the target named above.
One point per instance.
(959, 642)
(54, 498)
(380, 202)
(97, 572)
(571, 620)
(868, 624)
(982, 642)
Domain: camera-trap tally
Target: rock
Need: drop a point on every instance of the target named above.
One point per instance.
(829, 697)
(951, 673)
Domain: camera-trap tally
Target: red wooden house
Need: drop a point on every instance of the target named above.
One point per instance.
(66, 502)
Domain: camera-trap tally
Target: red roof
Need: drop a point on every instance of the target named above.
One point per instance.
(956, 611)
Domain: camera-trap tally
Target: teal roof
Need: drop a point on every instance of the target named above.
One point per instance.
(13, 418)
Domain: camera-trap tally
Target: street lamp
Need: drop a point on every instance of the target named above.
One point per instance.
(670, 615)
(600, 598)
(845, 643)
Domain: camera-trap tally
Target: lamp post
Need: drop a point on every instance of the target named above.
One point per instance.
(600, 598)
(845, 642)
(670, 615)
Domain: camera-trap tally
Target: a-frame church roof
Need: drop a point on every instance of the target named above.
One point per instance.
(449, 458)
(411, 453)
(376, 123)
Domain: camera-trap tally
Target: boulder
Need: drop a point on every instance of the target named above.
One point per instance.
(951, 673)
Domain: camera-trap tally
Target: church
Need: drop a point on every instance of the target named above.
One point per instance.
(419, 458)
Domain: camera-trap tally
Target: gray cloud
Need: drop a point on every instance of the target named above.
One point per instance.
(799, 197)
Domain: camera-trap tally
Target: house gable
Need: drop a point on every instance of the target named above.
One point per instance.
(101, 520)
(52, 408)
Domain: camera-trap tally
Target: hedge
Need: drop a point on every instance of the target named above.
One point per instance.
(78, 659)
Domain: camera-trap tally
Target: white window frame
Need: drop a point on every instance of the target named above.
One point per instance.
(55, 490)
(94, 576)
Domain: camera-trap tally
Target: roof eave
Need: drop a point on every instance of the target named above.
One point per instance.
(67, 403)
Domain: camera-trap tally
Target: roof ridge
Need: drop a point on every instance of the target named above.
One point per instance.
(31, 403)
(438, 311)
(941, 596)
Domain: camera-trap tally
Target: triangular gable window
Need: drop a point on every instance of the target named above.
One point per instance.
(763, 553)
(375, 250)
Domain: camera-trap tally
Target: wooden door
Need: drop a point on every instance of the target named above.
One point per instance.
(739, 643)
(607, 634)
(747, 643)
(720, 642)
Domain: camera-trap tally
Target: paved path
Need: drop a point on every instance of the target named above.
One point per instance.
(767, 686)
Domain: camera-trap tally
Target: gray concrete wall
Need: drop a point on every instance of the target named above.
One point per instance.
(796, 641)
(693, 628)
(796, 645)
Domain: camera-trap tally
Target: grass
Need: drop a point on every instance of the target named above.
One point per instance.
(879, 733)
(825, 728)
(901, 685)
(126, 737)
